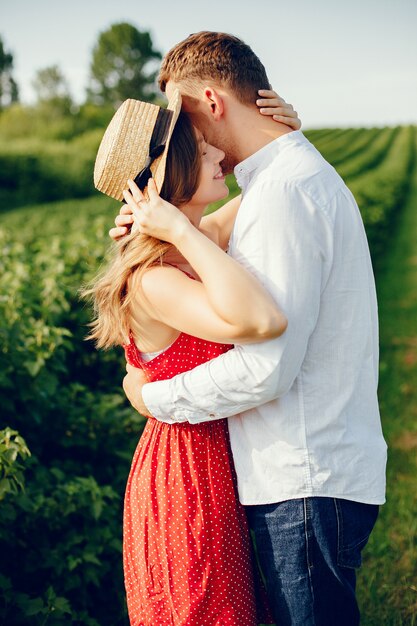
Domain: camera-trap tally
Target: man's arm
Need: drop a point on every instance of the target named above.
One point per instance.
(286, 241)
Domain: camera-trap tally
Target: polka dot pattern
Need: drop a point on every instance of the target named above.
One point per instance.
(186, 545)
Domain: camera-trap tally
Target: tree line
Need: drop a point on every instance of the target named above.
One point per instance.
(124, 64)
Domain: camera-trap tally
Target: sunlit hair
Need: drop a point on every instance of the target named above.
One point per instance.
(109, 291)
(219, 57)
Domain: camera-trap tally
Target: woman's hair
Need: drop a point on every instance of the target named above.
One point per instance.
(135, 252)
(219, 57)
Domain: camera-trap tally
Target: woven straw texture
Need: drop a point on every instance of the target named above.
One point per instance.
(125, 146)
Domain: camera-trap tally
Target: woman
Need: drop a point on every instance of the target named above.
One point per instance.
(175, 304)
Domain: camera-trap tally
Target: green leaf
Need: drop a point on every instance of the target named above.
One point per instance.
(34, 607)
(62, 604)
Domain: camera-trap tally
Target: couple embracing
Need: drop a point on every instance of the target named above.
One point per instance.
(279, 336)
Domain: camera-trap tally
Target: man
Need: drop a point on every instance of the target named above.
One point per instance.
(303, 412)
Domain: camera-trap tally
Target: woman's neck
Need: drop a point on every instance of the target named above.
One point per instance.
(174, 257)
(194, 213)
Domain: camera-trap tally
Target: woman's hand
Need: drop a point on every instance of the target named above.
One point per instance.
(134, 201)
(123, 223)
(133, 382)
(272, 104)
(155, 217)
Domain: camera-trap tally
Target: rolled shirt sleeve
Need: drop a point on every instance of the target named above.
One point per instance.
(285, 239)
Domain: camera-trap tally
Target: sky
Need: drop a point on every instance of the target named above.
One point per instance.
(340, 63)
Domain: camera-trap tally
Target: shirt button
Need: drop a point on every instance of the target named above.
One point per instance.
(212, 415)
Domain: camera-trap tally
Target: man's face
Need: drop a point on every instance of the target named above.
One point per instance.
(213, 132)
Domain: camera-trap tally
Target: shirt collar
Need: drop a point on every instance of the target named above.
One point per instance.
(245, 170)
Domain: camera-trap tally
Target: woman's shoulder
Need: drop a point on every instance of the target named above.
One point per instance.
(152, 290)
(159, 281)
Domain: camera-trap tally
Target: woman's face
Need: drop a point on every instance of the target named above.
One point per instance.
(212, 185)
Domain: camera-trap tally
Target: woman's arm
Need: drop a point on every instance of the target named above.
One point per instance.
(270, 103)
(229, 305)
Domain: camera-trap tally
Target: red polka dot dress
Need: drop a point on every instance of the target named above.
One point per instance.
(186, 546)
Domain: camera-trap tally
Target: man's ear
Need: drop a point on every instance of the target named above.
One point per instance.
(215, 103)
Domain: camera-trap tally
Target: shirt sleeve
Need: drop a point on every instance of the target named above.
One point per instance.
(285, 240)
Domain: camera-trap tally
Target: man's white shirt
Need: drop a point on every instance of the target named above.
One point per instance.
(302, 408)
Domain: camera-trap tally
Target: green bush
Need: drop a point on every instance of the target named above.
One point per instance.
(48, 154)
(43, 121)
(370, 157)
(50, 122)
(32, 171)
(12, 446)
(60, 539)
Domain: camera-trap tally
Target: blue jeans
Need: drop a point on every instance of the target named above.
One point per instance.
(308, 550)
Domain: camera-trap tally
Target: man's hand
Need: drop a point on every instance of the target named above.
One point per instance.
(133, 382)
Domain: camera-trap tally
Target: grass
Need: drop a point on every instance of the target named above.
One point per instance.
(387, 584)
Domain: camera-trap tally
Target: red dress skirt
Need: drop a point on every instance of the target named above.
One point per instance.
(186, 545)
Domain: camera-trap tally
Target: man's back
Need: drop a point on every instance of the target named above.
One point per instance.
(300, 231)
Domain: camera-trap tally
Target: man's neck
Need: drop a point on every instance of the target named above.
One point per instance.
(252, 131)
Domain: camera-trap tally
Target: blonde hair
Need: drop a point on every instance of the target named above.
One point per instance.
(134, 253)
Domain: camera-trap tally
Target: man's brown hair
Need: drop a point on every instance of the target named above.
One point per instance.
(219, 57)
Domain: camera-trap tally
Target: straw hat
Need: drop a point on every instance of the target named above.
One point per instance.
(125, 150)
